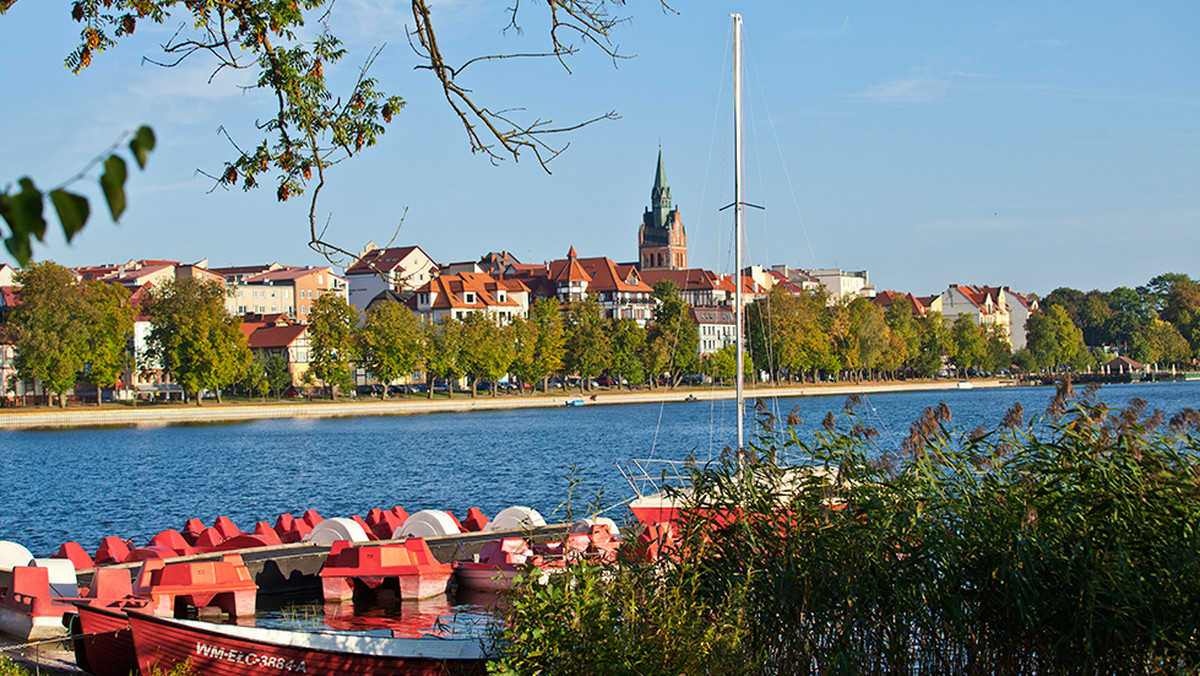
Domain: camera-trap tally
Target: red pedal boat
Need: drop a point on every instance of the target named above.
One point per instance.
(161, 643)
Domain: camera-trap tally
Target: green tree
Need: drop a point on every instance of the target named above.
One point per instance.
(972, 346)
(587, 341)
(1095, 318)
(673, 335)
(997, 349)
(391, 342)
(627, 339)
(109, 329)
(1156, 294)
(1053, 339)
(936, 345)
(1129, 315)
(443, 351)
(254, 379)
(789, 334)
(524, 336)
(1182, 309)
(1071, 300)
(871, 333)
(546, 317)
(487, 350)
(905, 343)
(194, 338)
(279, 376)
(50, 321)
(332, 329)
(1160, 342)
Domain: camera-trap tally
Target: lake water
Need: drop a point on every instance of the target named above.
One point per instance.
(86, 484)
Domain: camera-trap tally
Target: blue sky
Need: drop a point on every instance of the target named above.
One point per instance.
(1029, 144)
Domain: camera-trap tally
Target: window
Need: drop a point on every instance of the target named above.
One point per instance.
(469, 297)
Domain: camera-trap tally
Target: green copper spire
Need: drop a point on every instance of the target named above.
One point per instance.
(660, 195)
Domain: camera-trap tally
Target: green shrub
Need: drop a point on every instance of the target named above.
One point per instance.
(10, 668)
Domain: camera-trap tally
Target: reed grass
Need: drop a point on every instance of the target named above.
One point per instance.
(1066, 545)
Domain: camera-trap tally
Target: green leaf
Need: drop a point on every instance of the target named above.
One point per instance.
(141, 145)
(23, 213)
(72, 211)
(113, 184)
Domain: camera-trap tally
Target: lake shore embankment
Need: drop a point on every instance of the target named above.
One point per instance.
(120, 415)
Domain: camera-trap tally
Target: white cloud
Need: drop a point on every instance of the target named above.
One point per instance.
(918, 89)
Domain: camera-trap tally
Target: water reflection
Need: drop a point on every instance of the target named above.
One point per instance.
(84, 485)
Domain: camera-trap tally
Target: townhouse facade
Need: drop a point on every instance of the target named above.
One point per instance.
(464, 293)
(618, 288)
(283, 289)
(400, 269)
(716, 326)
(989, 306)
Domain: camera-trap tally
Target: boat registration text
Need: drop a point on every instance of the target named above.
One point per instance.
(250, 659)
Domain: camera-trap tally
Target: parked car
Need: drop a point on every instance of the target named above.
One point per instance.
(369, 389)
(394, 390)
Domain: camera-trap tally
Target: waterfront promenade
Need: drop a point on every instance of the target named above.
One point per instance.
(180, 414)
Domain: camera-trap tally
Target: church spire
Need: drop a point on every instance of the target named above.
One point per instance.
(660, 195)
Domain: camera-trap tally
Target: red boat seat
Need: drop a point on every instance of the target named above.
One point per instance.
(209, 539)
(365, 526)
(173, 539)
(110, 583)
(112, 550)
(312, 518)
(476, 520)
(75, 554)
(225, 526)
(192, 530)
(264, 530)
(143, 553)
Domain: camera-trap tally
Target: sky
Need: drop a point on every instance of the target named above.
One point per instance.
(1027, 144)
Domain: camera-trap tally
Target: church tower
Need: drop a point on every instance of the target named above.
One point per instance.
(662, 243)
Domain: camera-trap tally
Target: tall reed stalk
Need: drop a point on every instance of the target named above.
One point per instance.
(1068, 545)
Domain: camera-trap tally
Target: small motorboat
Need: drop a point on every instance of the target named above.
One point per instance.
(162, 643)
(574, 402)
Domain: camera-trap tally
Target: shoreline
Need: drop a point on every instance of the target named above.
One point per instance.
(184, 414)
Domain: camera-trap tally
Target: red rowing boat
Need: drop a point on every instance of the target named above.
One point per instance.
(161, 643)
(102, 641)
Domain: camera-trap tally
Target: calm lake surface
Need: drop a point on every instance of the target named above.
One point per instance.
(86, 484)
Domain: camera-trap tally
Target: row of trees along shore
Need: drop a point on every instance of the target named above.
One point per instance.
(68, 331)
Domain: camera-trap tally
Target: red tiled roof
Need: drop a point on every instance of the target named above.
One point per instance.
(450, 291)
(9, 293)
(748, 285)
(603, 275)
(247, 269)
(691, 279)
(712, 315)
(381, 260)
(288, 274)
(886, 299)
(275, 336)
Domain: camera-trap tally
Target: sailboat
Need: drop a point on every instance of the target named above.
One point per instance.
(654, 503)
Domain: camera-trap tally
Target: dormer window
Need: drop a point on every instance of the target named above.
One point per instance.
(469, 297)
(500, 295)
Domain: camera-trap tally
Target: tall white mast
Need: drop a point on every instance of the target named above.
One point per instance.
(737, 223)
